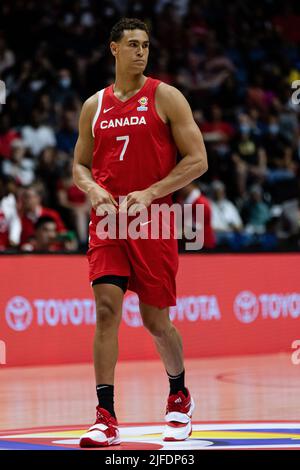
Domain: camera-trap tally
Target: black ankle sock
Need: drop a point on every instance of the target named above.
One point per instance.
(177, 383)
(105, 394)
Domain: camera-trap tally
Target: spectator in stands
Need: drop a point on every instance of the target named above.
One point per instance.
(288, 124)
(216, 130)
(7, 57)
(37, 136)
(74, 200)
(32, 210)
(249, 159)
(255, 212)
(191, 194)
(63, 91)
(47, 239)
(7, 136)
(258, 96)
(49, 170)
(46, 108)
(19, 166)
(226, 220)
(67, 135)
(217, 134)
(282, 165)
(10, 224)
(288, 223)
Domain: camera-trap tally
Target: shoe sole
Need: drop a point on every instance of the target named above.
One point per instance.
(172, 439)
(87, 442)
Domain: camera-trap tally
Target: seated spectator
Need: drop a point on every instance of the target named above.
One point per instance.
(37, 136)
(7, 136)
(217, 130)
(288, 123)
(67, 135)
(63, 91)
(10, 224)
(191, 194)
(19, 166)
(249, 160)
(258, 96)
(46, 108)
(32, 210)
(75, 201)
(7, 57)
(288, 223)
(47, 239)
(199, 77)
(255, 212)
(281, 166)
(226, 220)
(274, 140)
(49, 169)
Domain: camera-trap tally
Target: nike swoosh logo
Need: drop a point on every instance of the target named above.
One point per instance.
(108, 109)
(145, 223)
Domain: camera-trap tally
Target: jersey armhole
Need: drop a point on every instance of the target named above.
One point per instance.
(100, 98)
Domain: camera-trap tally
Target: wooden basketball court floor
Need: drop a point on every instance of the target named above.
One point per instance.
(250, 401)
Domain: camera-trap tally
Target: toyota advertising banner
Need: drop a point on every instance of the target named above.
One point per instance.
(226, 305)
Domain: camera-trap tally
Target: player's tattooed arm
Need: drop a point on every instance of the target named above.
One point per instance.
(83, 154)
(173, 106)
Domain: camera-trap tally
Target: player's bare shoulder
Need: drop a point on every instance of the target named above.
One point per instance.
(89, 107)
(170, 101)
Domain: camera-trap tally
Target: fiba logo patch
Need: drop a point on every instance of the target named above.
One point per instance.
(143, 104)
(246, 307)
(131, 312)
(18, 313)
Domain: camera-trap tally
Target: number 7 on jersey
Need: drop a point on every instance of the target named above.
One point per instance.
(126, 140)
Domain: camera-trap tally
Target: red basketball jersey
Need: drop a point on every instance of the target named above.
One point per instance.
(133, 147)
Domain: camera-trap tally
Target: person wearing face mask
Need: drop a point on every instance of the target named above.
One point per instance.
(273, 140)
(281, 165)
(65, 82)
(64, 89)
(273, 128)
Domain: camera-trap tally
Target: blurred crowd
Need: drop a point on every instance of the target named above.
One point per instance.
(234, 61)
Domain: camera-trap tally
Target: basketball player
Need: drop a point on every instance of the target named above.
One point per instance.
(129, 134)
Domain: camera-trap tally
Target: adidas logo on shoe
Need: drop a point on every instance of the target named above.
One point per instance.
(178, 400)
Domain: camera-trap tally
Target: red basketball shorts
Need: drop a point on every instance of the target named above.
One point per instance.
(150, 264)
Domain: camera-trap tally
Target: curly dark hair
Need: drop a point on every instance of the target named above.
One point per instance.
(116, 33)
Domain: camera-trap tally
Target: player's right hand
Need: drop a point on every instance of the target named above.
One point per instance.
(102, 201)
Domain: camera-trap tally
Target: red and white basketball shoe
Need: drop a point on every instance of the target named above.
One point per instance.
(178, 417)
(103, 433)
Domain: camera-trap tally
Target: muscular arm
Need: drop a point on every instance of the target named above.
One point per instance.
(83, 152)
(188, 140)
(83, 155)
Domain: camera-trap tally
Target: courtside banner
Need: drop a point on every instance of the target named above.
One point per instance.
(226, 305)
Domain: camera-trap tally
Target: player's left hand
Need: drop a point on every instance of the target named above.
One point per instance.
(136, 202)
